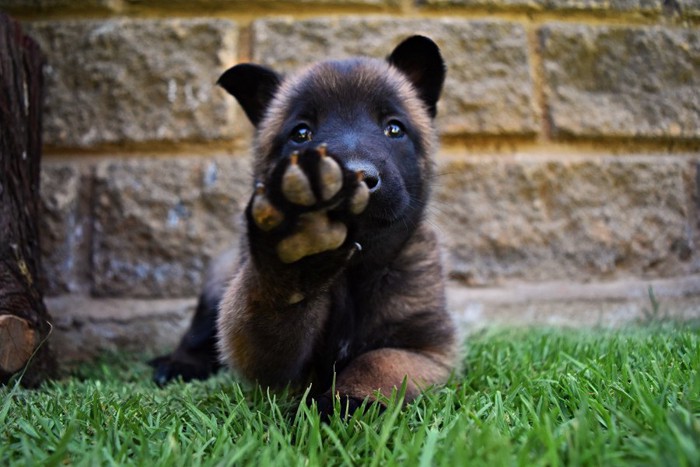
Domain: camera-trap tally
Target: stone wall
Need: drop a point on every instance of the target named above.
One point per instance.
(568, 174)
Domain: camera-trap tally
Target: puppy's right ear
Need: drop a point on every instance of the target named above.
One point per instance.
(253, 86)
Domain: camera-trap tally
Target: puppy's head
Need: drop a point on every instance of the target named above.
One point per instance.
(373, 115)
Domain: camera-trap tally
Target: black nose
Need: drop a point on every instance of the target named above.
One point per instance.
(370, 172)
(373, 181)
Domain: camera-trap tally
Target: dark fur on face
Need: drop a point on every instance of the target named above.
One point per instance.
(338, 272)
(347, 105)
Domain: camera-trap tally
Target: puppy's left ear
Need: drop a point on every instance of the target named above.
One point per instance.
(419, 59)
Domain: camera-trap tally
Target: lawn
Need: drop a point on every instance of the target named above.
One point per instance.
(527, 397)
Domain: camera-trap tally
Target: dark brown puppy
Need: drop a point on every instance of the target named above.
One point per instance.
(339, 272)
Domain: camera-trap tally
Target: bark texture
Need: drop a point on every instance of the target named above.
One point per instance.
(24, 319)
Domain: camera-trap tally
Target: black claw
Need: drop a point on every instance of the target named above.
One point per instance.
(166, 369)
(161, 370)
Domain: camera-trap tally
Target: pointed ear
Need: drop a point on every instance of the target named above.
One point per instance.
(253, 86)
(419, 59)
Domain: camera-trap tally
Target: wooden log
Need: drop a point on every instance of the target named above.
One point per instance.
(24, 320)
(17, 342)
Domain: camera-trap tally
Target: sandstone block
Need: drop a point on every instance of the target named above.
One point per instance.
(41, 6)
(584, 219)
(643, 6)
(158, 222)
(224, 4)
(124, 80)
(682, 8)
(622, 81)
(488, 88)
(691, 7)
(64, 227)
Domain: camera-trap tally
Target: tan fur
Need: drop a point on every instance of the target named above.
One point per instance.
(261, 335)
(269, 328)
(384, 370)
(266, 339)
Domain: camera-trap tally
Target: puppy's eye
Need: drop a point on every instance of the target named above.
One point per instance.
(394, 129)
(301, 134)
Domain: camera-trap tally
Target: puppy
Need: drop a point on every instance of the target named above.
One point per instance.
(339, 276)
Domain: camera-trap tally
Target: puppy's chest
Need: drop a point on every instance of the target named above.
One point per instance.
(353, 324)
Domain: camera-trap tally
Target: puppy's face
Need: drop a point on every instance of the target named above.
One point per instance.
(370, 118)
(374, 116)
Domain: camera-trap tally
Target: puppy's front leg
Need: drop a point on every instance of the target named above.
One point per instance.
(264, 333)
(298, 243)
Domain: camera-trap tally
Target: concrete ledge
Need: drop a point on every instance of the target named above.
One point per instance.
(575, 304)
(86, 326)
(519, 292)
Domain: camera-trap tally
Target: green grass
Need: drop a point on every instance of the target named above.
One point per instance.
(529, 397)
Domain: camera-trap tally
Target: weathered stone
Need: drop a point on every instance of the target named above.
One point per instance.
(622, 81)
(644, 6)
(689, 7)
(682, 8)
(158, 222)
(223, 4)
(73, 6)
(536, 219)
(85, 327)
(488, 88)
(64, 228)
(136, 80)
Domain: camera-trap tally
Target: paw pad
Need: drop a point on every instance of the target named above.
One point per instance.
(360, 197)
(314, 183)
(315, 233)
(295, 185)
(265, 215)
(330, 174)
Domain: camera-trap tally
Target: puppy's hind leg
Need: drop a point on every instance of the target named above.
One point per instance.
(196, 357)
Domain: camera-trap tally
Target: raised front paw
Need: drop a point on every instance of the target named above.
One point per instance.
(311, 197)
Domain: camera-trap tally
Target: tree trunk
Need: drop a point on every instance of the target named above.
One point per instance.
(24, 321)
